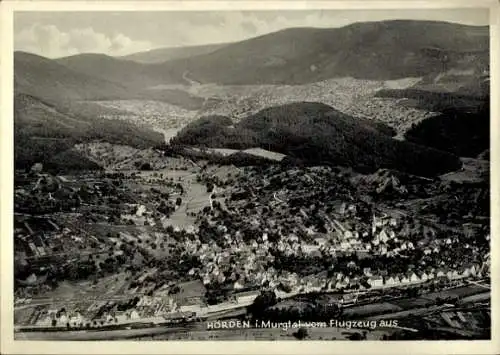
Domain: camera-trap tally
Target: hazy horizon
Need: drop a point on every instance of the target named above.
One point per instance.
(57, 34)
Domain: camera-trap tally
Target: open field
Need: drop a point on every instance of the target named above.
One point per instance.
(96, 335)
(121, 158)
(191, 289)
(86, 291)
(456, 292)
(473, 170)
(195, 198)
(199, 332)
(409, 303)
(360, 311)
(476, 298)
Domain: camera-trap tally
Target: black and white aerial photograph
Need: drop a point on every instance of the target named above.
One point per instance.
(288, 175)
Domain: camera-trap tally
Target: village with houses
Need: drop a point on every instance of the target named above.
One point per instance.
(181, 242)
(291, 175)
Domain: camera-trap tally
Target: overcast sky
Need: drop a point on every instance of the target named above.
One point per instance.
(56, 34)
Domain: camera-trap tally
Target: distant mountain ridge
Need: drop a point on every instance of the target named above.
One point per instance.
(45, 78)
(373, 50)
(98, 77)
(161, 55)
(368, 50)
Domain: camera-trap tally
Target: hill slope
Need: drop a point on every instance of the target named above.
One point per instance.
(462, 132)
(44, 78)
(45, 132)
(462, 126)
(91, 77)
(317, 133)
(126, 72)
(161, 55)
(374, 50)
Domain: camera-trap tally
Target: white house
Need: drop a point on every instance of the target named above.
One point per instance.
(340, 284)
(246, 297)
(392, 281)
(63, 319)
(414, 278)
(141, 210)
(383, 236)
(376, 281)
(196, 308)
(455, 274)
(348, 234)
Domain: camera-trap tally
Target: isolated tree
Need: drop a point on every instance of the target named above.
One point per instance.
(301, 333)
(356, 336)
(261, 303)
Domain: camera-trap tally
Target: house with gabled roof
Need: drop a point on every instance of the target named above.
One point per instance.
(453, 274)
(340, 284)
(376, 281)
(414, 278)
(464, 272)
(392, 281)
(383, 237)
(440, 273)
(473, 269)
(405, 280)
(424, 277)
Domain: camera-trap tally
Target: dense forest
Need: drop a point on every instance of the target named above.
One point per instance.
(462, 132)
(436, 101)
(45, 132)
(317, 133)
